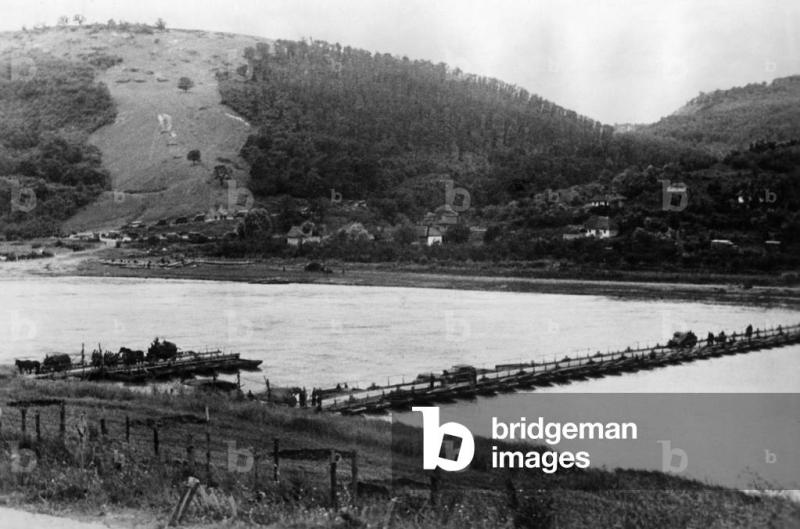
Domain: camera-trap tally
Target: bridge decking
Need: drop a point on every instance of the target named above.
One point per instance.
(510, 377)
(185, 365)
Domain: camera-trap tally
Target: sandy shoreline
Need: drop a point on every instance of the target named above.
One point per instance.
(90, 264)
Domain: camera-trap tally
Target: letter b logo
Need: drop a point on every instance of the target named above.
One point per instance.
(667, 456)
(433, 438)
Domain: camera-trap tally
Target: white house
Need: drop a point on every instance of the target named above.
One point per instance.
(601, 228)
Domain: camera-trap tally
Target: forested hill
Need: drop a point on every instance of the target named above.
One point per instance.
(733, 119)
(369, 124)
(47, 168)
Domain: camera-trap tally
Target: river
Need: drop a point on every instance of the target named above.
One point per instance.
(318, 335)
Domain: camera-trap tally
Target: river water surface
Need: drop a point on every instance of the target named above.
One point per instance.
(318, 335)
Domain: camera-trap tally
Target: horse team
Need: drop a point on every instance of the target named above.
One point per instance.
(53, 362)
(158, 350)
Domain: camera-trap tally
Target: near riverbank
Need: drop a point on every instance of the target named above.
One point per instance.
(118, 480)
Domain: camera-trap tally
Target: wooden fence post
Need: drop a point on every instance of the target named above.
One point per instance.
(37, 418)
(103, 430)
(334, 499)
(186, 498)
(354, 475)
(434, 494)
(208, 453)
(62, 422)
(190, 452)
(255, 469)
(23, 412)
(275, 460)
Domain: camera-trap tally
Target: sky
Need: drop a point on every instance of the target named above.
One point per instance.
(617, 61)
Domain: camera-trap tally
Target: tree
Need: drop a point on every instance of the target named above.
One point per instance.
(79, 19)
(161, 25)
(193, 156)
(257, 223)
(63, 20)
(222, 173)
(184, 83)
(457, 234)
(405, 234)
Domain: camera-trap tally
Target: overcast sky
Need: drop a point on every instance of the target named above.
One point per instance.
(613, 60)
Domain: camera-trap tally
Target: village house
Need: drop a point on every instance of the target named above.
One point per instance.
(601, 228)
(723, 244)
(573, 232)
(443, 217)
(355, 231)
(613, 201)
(305, 234)
(429, 235)
(218, 214)
(85, 236)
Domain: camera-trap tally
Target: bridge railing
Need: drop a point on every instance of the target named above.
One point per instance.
(500, 372)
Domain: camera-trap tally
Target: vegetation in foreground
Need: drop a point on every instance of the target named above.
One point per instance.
(114, 476)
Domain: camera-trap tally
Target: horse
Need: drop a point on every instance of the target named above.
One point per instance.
(28, 366)
(130, 357)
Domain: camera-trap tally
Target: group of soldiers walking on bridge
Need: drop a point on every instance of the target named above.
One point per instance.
(721, 338)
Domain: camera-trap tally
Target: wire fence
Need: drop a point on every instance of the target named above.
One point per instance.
(188, 442)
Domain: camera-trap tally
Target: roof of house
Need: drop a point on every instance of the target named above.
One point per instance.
(434, 232)
(295, 232)
(600, 223)
(446, 209)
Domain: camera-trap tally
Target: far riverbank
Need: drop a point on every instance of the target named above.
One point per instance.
(716, 289)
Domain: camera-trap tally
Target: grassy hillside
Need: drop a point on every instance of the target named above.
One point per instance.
(150, 176)
(732, 119)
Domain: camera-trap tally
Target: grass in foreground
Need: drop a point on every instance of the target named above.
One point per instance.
(112, 475)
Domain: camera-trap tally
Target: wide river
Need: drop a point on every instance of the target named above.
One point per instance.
(318, 335)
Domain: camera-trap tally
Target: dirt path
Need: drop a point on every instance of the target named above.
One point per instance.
(14, 519)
